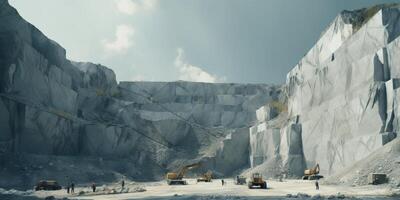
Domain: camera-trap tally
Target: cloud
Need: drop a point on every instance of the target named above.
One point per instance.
(139, 77)
(130, 7)
(188, 72)
(122, 41)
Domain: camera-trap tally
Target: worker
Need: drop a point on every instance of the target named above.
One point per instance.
(123, 184)
(223, 182)
(67, 189)
(316, 185)
(68, 185)
(72, 187)
(94, 187)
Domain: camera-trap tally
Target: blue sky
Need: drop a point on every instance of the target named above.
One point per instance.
(243, 41)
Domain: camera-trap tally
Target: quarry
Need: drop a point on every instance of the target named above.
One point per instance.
(73, 122)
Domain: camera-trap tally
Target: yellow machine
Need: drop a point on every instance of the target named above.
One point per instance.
(207, 177)
(176, 178)
(312, 174)
(257, 181)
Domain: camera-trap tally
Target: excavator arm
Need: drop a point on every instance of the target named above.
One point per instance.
(184, 169)
(316, 169)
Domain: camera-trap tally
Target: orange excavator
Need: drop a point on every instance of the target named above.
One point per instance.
(312, 174)
(176, 178)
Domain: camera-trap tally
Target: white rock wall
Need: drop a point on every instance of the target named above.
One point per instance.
(343, 93)
(346, 102)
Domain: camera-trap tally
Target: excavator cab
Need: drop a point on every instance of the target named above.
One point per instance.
(257, 181)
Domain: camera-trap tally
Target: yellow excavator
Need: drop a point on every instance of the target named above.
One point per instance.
(257, 180)
(206, 177)
(312, 174)
(176, 178)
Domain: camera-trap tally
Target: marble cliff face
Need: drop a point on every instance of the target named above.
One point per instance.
(343, 94)
(338, 104)
(51, 106)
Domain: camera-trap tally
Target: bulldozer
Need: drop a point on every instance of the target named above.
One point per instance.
(312, 174)
(256, 180)
(176, 178)
(206, 177)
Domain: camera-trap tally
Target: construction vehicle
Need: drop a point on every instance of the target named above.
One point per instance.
(206, 177)
(256, 180)
(47, 185)
(240, 180)
(312, 174)
(176, 178)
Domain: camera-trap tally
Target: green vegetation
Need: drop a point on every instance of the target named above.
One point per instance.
(116, 94)
(281, 107)
(101, 92)
(368, 13)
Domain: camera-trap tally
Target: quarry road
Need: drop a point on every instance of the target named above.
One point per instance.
(160, 190)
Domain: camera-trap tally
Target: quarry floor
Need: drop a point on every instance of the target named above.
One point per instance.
(214, 190)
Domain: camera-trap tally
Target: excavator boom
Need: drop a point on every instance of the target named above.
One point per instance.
(184, 169)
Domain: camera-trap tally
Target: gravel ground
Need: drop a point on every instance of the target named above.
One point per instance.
(288, 189)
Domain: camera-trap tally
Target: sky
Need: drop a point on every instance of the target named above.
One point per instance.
(240, 41)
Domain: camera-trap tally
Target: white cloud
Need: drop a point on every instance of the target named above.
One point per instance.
(188, 72)
(130, 7)
(122, 41)
(139, 77)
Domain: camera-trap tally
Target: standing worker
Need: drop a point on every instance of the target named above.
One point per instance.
(316, 185)
(67, 189)
(68, 185)
(223, 182)
(94, 187)
(72, 187)
(122, 185)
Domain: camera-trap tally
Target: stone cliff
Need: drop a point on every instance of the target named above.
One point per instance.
(343, 94)
(59, 117)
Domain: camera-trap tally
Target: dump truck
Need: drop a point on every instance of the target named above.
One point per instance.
(312, 174)
(206, 177)
(240, 180)
(176, 178)
(256, 180)
(47, 185)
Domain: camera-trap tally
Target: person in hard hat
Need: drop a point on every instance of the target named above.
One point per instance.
(316, 185)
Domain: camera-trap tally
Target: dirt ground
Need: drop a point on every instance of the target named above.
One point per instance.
(215, 190)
